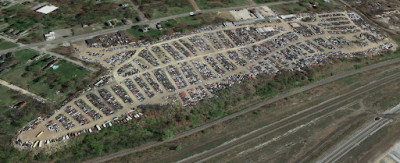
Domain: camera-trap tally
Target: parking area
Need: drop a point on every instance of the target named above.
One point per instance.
(196, 65)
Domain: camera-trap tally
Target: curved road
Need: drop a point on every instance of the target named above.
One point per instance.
(242, 112)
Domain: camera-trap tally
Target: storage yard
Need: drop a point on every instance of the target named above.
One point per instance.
(195, 65)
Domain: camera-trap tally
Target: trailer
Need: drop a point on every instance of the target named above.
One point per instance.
(39, 134)
(35, 145)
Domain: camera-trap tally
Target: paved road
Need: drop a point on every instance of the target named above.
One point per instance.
(324, 106)
(23, 91)
(354, 140)
(358, 137)
(242, 112)
(125, 27)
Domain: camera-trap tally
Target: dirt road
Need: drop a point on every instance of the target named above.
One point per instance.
(13, 87)
(194, 4)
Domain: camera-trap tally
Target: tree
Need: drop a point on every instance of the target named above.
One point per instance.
(167, 134)
(178, 148)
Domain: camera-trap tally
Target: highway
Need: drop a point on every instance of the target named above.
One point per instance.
(354, 140)
(244, 111)
(324, 106)
(358, 137)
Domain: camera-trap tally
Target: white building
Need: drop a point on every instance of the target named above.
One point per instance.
(50, 36)
(47, 9)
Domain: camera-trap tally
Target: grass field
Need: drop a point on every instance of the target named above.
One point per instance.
(55, 85)
(162, 8)
(291, 8)
(6, 45)
(183, 24)
(268, 1)
(209, 4)
(5, 98)
(294, 8)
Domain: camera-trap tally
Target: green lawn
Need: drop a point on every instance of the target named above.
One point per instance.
(162, 8)
(55, 85)
(182, 24)
(172, 11)
(209, 4)
(6, 45)
(291, 8)
(294, 8)
(151, 33)
(268, 1)
(5, 99)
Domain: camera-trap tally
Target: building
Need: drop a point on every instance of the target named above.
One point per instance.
(50, 36)
(46, 9)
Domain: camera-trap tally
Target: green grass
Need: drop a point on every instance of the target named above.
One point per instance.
(172, 11)
(268, 1)
(210, 4)
(291, 8)
(25, 55)
(151, 33)
(162, 8)
(5, 99)
(183, 24)
(6, 45)
(55, 85)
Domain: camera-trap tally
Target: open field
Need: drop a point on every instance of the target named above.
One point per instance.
(184, 24)
(299, 7)
(291, 8)
(162, 8)
(209, 4)
(6, 45)
(267, 1)
(6, 97)
(55, 85)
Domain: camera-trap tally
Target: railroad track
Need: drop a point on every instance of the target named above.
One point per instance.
(244, 111)
(324, 106)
